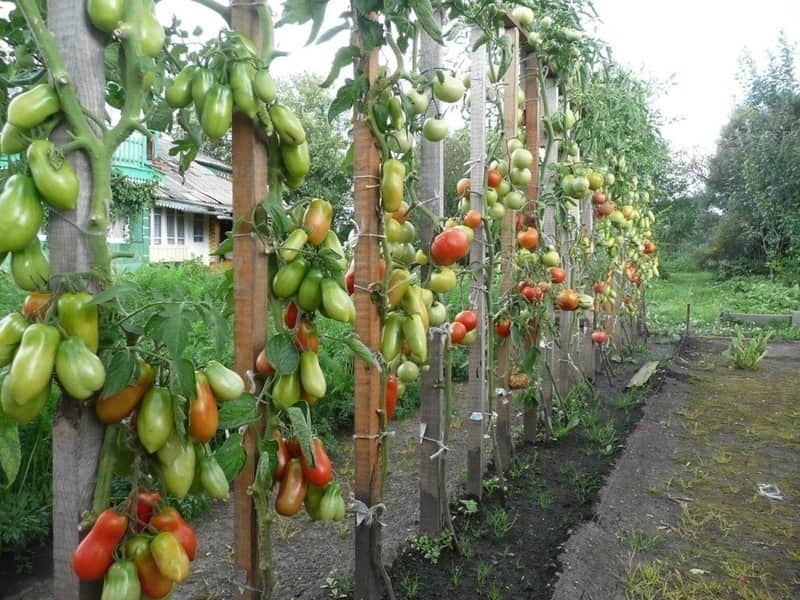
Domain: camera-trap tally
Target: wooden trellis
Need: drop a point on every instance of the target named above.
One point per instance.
(477, 393)
(250, 300)
(432, 474)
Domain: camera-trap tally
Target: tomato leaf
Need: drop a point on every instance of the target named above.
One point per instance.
(231, 456)
(235, 413)
(181, 378)
(358, 348)
(120, 291)
(346, 96)
(121, 369)
(342, 58)
(424, 12)
(174, 331)
(264, 472)
(283, 353)
(10, 451)
(345, 26)
(180, 406)
(301, 427)
(530, 359)
(331, 259)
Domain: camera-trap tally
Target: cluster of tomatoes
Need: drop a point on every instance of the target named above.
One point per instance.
(158, 551)
(300, 483)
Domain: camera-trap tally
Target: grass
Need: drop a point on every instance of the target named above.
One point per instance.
(667, 299)
(730, 542)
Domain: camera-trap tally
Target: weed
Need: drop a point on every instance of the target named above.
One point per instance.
(584, 483)
(517, 468)
(338, 587)
(627, 400)
(746, 354)
(545, 499)
(603, 435)
(465, 546)
(499, 521)
(637, 541)
(491, 485)
(455, 575)
(484, 570)
(431, 547)
(493, 593)
(409, 586)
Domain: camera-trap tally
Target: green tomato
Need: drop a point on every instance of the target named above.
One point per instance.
(33, 363)
(217, 111)
(496, 212)
(514, 200)
(309, 295)
(154, 420)
(79, 370)
(437, 314)
(29, 268)
(520, 177)
(225, 383)
(521, 158)
(33, 106)
(449, 89)
(443, 280)
(434, 130)
(20, 213)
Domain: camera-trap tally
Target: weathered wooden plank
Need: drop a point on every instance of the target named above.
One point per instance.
(432, 492)
(756, 319)
(477, 392)
(643, 375)
(250, 300)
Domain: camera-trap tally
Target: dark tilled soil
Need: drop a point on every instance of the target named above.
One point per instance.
(552, 489)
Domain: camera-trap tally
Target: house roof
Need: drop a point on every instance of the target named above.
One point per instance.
(198, 190)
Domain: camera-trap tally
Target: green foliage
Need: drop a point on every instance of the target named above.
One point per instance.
(130, 198)
(431, 547)
(746, 354)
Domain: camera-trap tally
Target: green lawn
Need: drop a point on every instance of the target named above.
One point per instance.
(667, 300)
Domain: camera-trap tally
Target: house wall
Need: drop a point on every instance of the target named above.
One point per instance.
(167, 248)
(137, 243)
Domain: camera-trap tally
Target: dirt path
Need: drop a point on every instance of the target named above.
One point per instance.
(681, 516)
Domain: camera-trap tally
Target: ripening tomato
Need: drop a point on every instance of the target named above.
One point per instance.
(36, 305)
(528, 239)
(600, 287)
(350, 279)
(493, 178)
(568, 299)
(307, 337)
(599, 337)
(473, 219)
(322, 471)
(503, 327)
(468, 318)
(449, 246)
(462, 187)
(391, 396)
(649, 247)
(557, 274)
(457, 332)
(262, 364)
(524, 283)
(529, 293)
(598, 198)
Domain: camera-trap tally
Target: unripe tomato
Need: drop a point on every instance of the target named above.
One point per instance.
(408, 372)
(522, 159)
(551, 258)
(443, 280)
(434, 130)
(514, 200)
(496, 212)
(470, 338)
(457, 332)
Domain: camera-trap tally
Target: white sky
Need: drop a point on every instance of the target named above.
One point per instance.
(694, 44)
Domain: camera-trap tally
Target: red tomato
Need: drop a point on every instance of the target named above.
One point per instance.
(391, 396)
(468, 318)
(350, 279)
(503, 328)
(600, 287)
(262, 364)
(290, 316)
(143, 503)
(527, 282)
(529, 293)
(449, 246)
(557, 274)
(322, 471)
(457, 332)
(599, 337)
(493, 178)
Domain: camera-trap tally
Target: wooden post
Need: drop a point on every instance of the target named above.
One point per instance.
(549, 354)
(432, 481)
(477, 392)
(587, 320)
(530, 421)
(368, 476)
(250, 306)
(77, 435)
(505, 446)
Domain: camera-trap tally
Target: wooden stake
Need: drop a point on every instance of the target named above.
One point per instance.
(77, 435)
(530, 419)
(477, 392)
(507, 247)
(433, 507)
(368, 476)
(250, 306)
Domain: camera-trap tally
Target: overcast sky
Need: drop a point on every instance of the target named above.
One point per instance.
(692, 45)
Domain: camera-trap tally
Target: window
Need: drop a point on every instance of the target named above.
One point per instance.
(170, 227)
(118, 232)
(180, 227)
(155, 234)
(199, 228)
